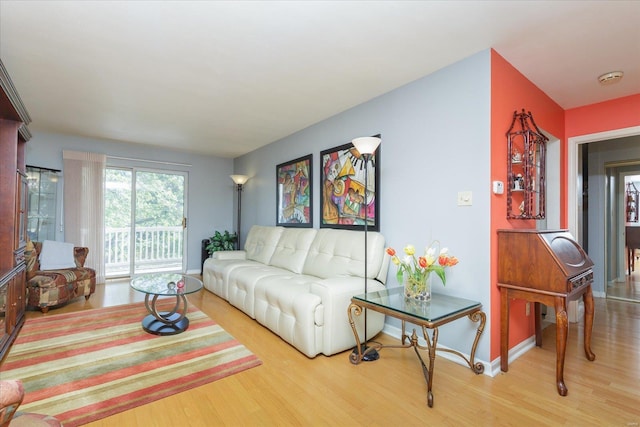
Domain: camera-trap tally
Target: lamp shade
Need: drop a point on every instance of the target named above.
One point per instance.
(239, 179)
(366, 144)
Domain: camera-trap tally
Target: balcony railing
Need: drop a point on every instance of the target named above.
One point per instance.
(156, 249)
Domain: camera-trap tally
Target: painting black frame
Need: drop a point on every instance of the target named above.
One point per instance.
(338, 166)
(301, 210)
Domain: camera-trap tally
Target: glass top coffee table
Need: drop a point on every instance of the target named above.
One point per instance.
(156, 285)
(441, 310)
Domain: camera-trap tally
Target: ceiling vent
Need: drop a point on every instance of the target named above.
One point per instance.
(610, 77)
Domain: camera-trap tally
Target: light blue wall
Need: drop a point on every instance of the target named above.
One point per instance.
(210, 190)
(435, 143)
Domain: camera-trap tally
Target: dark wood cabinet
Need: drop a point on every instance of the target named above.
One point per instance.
(14, 135)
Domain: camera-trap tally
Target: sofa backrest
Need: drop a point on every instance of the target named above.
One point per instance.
(261, 242)
(341, 252)
(292, 248)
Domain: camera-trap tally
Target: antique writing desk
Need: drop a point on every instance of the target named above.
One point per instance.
(441, 310)
(546, 267)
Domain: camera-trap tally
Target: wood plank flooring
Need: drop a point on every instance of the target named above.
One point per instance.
(629, 290)
(290, 389)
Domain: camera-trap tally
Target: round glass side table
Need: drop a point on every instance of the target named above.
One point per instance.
(156, 285)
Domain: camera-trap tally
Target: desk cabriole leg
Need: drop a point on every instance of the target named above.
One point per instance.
(537, 311)
(504, 330)
(588, 323)
(562, 326)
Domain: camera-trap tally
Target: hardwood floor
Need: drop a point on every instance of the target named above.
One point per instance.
(290, 389)
(629, 290)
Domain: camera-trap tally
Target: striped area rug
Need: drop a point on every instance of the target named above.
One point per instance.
(83, 366)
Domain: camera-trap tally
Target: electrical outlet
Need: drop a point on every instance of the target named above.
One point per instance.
(527, 309)
(464, 198)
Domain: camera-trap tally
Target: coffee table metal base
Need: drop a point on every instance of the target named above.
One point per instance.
(165, 322)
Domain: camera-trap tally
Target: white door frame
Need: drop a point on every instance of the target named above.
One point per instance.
(572, 170)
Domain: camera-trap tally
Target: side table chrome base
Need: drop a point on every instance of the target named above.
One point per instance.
(165, 322)
(161, 327)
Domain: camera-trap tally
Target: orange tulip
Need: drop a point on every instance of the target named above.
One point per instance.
(391, 251)
(443, 259)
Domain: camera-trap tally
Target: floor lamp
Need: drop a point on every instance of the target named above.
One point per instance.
(366, 146)
(239, 180)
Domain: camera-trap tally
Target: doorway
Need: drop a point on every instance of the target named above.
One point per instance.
(622, 276)
(145, 220)
(589, 222)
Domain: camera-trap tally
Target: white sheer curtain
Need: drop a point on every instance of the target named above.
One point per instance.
(84, 205)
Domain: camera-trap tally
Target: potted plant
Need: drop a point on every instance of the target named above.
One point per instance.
(222, 242)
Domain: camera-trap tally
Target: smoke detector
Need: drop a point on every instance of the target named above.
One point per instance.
(610, 77)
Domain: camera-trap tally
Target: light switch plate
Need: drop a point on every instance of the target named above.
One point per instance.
(464, 198)
(498, 187)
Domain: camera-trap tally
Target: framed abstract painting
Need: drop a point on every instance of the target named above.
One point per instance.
(345, 199)
(294, 206)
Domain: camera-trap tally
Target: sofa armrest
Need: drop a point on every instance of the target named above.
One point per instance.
(80, 255)
(336, 294)
(229, 255)
(340, 289)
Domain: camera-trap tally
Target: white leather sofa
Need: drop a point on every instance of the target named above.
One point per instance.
(298, 282)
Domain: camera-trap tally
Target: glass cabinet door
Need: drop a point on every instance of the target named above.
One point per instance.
(43, 194)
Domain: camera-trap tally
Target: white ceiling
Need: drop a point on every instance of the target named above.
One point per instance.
(225, 78)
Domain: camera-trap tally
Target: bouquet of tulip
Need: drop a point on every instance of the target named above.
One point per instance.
(415, 270)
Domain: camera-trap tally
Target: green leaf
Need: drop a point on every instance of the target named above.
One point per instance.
(221, 242)
(440, 272)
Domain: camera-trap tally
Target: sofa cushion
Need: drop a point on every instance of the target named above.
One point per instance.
(341, 252)
(261, 242)
(216, 271)
(292, 249)
(60, 277)
(285, 305)
(242, 283)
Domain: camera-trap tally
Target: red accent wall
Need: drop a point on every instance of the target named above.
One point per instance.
(605, 116)
(511, 91)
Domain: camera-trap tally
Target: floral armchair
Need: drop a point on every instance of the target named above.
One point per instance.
(48, 288)
(11, 395)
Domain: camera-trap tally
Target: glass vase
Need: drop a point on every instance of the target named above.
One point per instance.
(418, 288)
